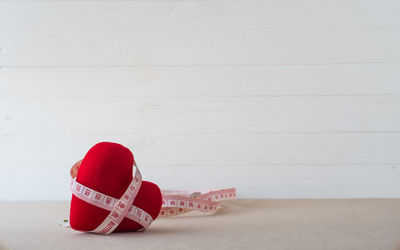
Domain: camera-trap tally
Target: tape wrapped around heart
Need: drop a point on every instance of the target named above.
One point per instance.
(108, 194)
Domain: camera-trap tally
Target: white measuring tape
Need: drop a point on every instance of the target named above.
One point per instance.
(173, 203)
(119, 208)
(180, 202)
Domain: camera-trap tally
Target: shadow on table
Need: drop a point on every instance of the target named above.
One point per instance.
(164, 230)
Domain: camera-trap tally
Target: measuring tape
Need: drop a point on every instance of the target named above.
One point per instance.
(119, 208)
(173, 202)
(180, 202)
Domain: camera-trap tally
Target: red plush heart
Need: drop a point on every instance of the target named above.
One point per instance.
(107, 168)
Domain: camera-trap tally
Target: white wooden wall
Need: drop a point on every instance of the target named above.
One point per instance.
(279, 98)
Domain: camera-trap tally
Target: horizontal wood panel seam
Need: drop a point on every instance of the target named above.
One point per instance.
(5, 66)
(204, 133)
(202, 96)
(395, 165)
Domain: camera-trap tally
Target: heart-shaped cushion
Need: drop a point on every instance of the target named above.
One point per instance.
(107, 168)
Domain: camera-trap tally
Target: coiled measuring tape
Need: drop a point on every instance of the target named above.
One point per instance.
(180, 202)
(173, 202)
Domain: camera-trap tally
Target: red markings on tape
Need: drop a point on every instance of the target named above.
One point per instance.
(119, 208)
(179, 202)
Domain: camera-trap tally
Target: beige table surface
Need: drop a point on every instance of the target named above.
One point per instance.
(241, 224)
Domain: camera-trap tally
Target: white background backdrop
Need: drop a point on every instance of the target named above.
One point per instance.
(281, 99)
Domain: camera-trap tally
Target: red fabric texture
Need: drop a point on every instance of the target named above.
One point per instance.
(107, 168)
